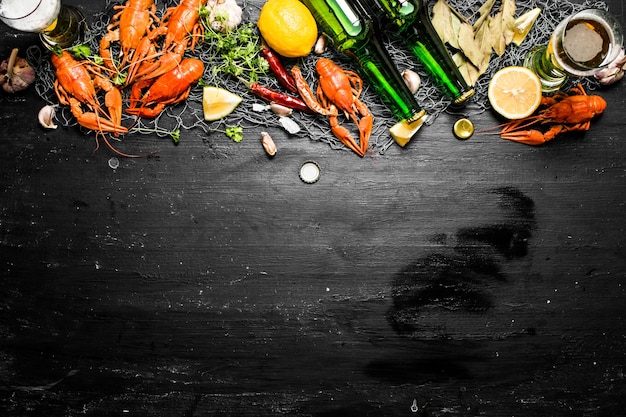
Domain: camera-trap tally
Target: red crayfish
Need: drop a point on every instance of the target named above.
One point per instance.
(338, 90)
(149, 97)
(564, 112)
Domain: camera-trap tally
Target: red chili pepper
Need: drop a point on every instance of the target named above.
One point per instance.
(282, 75)
(278, 97)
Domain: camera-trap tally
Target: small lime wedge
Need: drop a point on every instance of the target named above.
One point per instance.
(218, 103)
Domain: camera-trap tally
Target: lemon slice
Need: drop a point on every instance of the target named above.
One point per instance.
(514, 92)
(403, 131)
(218, 103)
(524, 24)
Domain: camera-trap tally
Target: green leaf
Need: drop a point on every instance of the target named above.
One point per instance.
(175, 136)
(120, 78)
(235, 133)
(81, 51)
(98, 60)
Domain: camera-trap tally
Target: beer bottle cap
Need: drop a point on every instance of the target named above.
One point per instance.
(463, 128)
(310, 172)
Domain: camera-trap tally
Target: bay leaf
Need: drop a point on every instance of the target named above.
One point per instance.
(483, 13)
(456, 23)
(467, 43)
(462, 64)
(484, 37)
(441, 21)
(495, 26)
(508, 20)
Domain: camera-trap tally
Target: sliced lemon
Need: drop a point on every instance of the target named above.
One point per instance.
(218, 103)
(403, 131)
(514, 92)
(523, 24)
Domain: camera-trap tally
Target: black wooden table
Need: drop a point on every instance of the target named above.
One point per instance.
(477, 277)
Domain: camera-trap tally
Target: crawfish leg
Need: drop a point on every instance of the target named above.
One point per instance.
(93, 121)
(344, 135)
(167, 62)
(307, 95)
(528, 137)
(105, 48)
(112, 100)
(365, 124)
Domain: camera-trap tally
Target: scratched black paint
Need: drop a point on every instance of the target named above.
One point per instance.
(459, 280)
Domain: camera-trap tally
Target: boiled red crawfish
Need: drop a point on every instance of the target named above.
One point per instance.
(149, 97)
(338, 90)
(77, 84)
(155, 66)
(562, 112)
(129, 28)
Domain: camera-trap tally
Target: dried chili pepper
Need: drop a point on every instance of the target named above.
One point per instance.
(281, 73)
(278, 97)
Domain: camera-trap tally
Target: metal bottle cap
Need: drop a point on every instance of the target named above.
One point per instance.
(310, 172)
(463, 128)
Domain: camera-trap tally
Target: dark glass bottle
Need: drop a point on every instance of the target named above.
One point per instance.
(352, 31)
(410, 20)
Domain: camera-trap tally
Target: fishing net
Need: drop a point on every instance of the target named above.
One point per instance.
(188, 115)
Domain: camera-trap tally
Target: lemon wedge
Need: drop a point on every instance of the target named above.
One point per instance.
(403, 131)
(523, 24)
(218, 103)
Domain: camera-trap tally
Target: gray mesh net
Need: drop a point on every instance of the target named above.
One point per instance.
(188, 115)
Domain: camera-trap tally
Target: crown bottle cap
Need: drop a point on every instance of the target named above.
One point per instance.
(463, 128)
(310, 172)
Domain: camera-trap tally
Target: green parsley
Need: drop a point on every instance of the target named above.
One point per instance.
(237, 52)
(235, 133)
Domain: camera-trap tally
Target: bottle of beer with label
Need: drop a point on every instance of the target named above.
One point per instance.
(410, 20)
(348, 25)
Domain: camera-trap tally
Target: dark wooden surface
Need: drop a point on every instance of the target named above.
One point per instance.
(476, 277)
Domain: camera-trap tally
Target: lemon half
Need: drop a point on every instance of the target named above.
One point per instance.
(514, 92)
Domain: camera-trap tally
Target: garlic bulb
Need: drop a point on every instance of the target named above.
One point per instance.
(613, 72)
(16, 74)
(224, 15)
(46, 117)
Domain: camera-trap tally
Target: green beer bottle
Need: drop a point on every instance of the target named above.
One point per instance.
(410, 20)
(353, 32)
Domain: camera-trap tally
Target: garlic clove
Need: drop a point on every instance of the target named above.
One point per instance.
(46, 117)
(259, 107)
(268, 144)
(412, 80)
(280, 110)
(289, 124)
(320, 46)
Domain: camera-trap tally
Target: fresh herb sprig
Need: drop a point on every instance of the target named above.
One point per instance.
(83, 52)
(236, 52)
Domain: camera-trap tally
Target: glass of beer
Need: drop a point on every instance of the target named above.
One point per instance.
(56, 24)
(580, 46)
